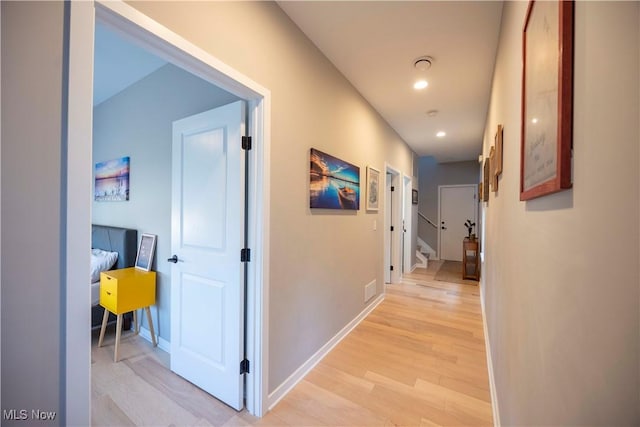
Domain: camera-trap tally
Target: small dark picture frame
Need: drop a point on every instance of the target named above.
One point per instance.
(414, 197)
(147, 248)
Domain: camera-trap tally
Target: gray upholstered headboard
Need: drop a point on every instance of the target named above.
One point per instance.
(116, 239)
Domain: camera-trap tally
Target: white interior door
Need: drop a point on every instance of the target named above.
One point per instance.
(457, 204)
(207, 292)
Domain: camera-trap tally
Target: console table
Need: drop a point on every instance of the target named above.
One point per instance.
(470, 264)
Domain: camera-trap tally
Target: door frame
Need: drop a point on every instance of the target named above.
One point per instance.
(407, 217)
(168, 45)
(392, 211)
(475, 210)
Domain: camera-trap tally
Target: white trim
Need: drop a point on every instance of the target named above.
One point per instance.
(161, 41)
(131, 23)
(162, 343)
(77, 342)
(487, 344)
(407, 217)
(396, 212)
(281, 391)
(0, 204)
(475, 211)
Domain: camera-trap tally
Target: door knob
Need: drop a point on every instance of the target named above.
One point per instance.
(173, 259)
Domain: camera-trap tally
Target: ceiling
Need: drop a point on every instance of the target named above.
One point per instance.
(375, 44)
(118, 64)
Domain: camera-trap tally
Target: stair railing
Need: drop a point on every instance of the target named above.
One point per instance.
(421, 215)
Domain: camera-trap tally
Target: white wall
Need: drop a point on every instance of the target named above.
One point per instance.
(32, 173)
(320, 261)
(137, 123)
(560, 277)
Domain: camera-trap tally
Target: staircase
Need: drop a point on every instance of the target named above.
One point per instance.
(423, 261)
(423, 253)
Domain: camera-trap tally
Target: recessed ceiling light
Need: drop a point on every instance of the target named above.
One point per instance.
(534, 120)
(423, 63)
(441, 134)
(420, 84)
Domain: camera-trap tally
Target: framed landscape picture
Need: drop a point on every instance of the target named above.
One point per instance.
(112, 180)
(333, 183)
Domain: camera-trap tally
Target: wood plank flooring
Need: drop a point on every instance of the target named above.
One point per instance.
(417, 360)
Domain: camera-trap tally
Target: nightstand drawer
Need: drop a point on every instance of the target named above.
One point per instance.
(108, 292)
(127, 289)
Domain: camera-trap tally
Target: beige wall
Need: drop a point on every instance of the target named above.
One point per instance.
(560, 277)
(32, 171)
(320, 261)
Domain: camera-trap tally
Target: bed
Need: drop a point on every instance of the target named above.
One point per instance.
(124, 241)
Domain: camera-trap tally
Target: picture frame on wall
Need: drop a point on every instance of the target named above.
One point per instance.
(146, 250)
(112, 180)
(373, 189)
(499, 148)
(333, 182)
(493, 177)
(547, 99)
(485, 180)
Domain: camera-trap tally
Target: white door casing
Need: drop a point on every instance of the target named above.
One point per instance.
(387, 223)
(457, 204)
(407, 265)
(392, 219)
(207, 235)
(166, 44)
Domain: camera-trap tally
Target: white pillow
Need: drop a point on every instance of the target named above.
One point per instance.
(101, 261)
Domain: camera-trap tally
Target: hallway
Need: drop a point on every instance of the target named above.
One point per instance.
(417, 360)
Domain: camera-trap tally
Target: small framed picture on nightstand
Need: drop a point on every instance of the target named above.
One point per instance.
(144, 259)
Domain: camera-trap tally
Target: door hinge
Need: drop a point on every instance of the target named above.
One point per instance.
(246, 143)
(244, 367)
(392, 228)
(391, 268)
(393, 188)
(245, 255)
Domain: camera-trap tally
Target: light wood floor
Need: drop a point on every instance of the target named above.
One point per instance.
(417, 360)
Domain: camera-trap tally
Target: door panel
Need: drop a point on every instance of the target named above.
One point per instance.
(204, 170)
(207, 293)
(457, 204)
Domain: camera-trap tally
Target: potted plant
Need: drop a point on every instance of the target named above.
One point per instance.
(470, 225)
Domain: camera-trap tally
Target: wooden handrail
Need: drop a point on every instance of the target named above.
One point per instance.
(421, 215)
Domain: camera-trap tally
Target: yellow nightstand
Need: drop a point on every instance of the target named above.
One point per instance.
(125, 290)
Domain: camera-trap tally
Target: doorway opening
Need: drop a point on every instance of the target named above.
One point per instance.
(165, 44)
(407, 225)
(457, 204)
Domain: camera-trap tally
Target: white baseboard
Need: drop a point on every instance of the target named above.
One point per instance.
(487, 343)
(162, 343)
(284, 388)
